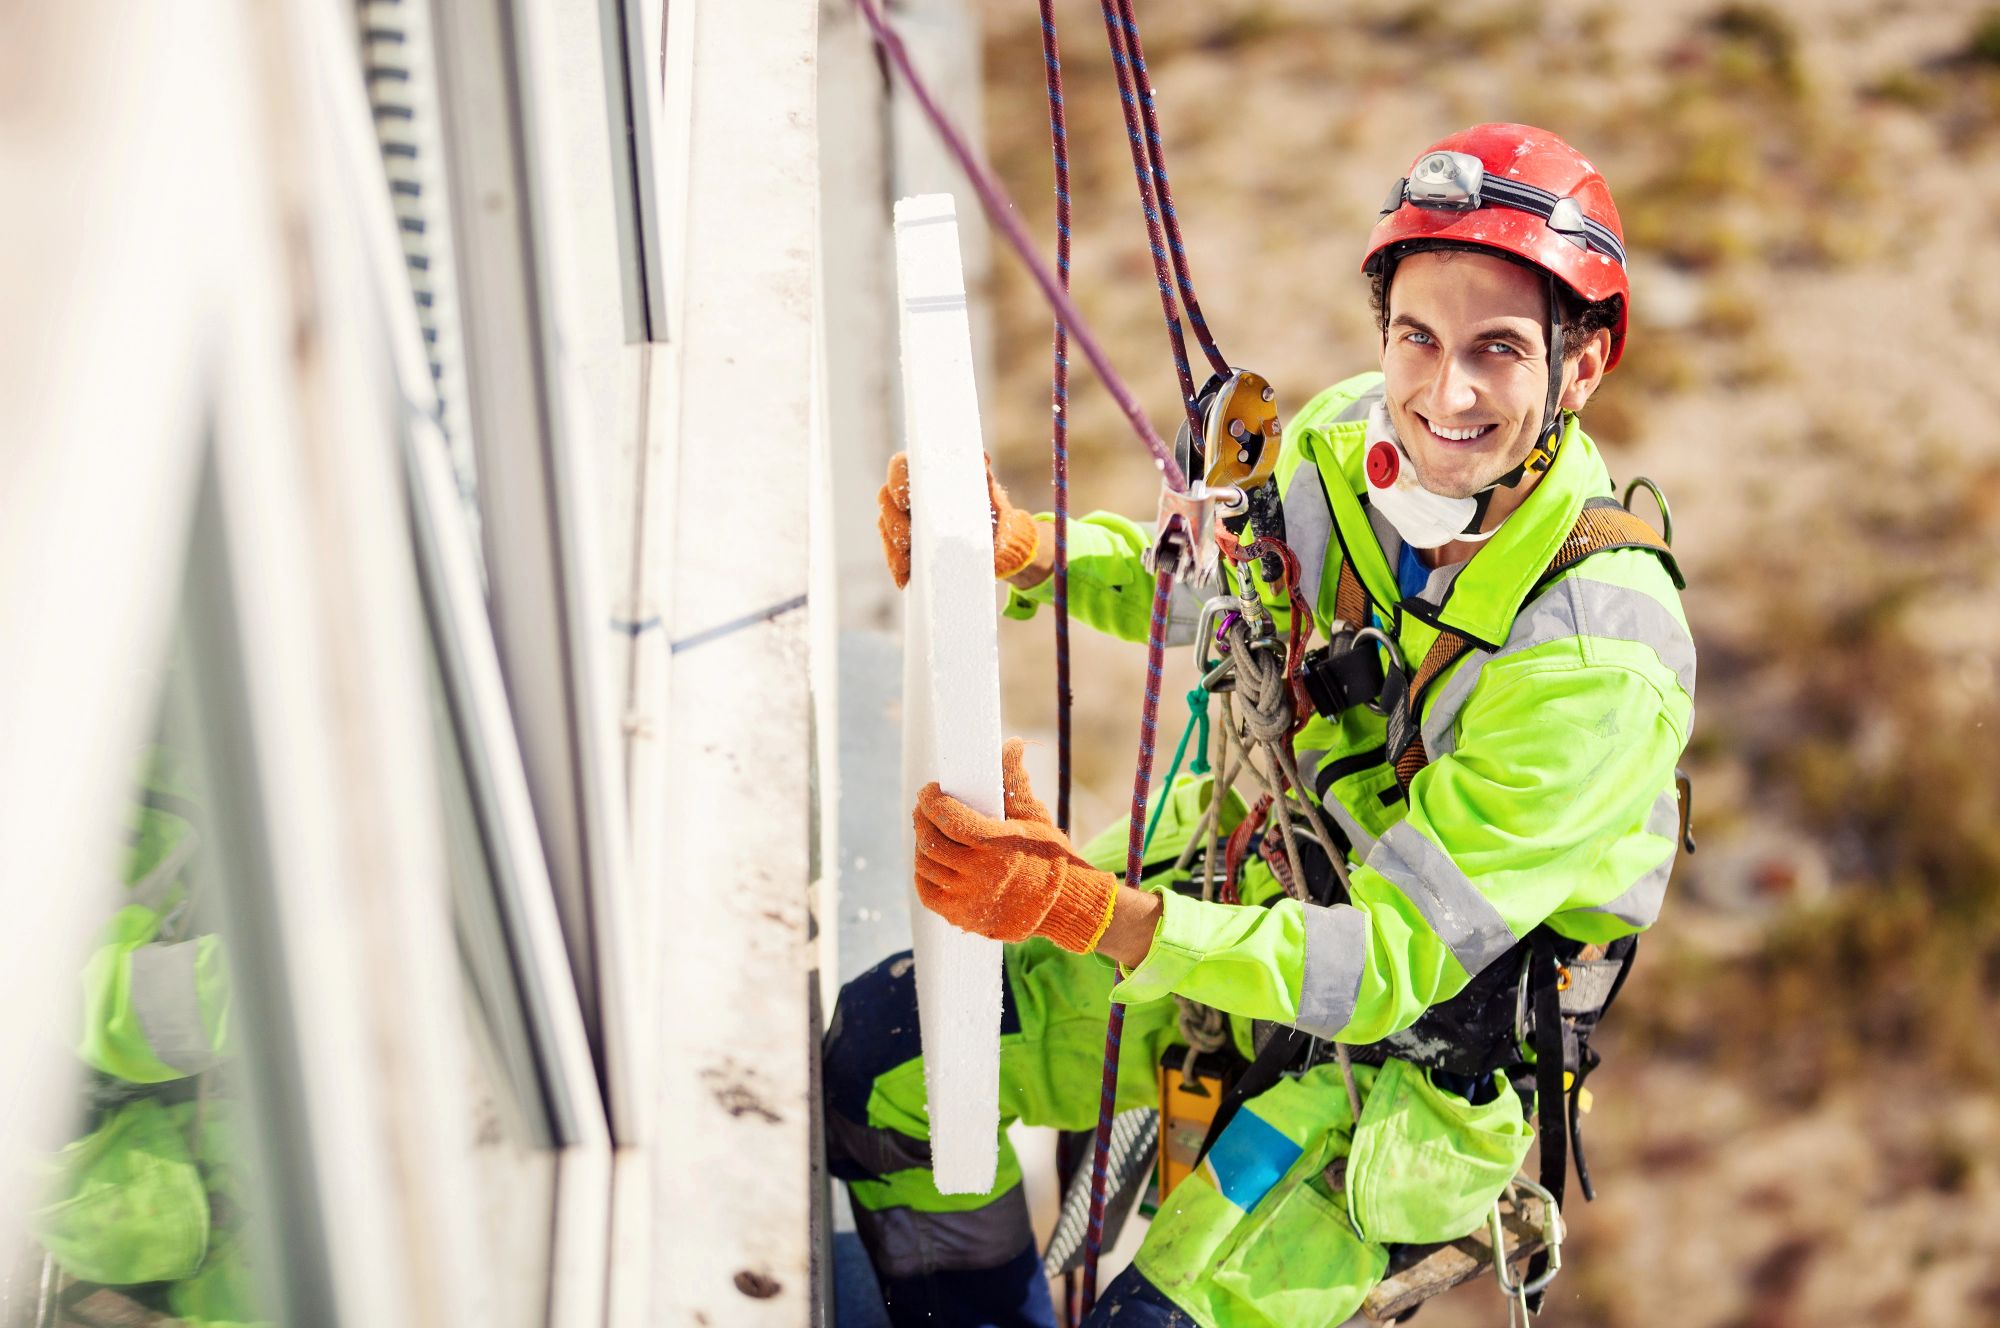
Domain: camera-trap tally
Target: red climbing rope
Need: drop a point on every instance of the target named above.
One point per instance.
(1149, 169)
(1135, 855)
(1156, 155)
(1059, 410)
(1173, 277)
(1000, 211)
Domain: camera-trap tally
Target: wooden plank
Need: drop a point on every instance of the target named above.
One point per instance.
(91, 1306)
(1420, 1272)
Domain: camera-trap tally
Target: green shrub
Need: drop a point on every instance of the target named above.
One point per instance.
(1984, 43)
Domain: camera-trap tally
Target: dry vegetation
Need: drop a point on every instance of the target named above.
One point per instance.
(1800, 1121)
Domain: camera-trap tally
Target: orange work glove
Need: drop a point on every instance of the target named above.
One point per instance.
(1009, 879)
(1014, 531)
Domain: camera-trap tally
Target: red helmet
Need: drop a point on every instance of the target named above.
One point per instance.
(1520, 190)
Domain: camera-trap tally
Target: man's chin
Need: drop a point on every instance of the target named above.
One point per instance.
(1450, 486)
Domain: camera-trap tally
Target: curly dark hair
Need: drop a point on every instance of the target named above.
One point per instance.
(1581, 319)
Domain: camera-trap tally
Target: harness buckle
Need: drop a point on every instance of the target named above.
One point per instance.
(1345, 673)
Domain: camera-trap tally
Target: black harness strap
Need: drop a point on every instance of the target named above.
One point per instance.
(1551, 1120)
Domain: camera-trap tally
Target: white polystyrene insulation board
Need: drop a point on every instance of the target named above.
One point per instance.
(951, 681)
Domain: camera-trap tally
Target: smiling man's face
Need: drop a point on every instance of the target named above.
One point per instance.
(1465, 366)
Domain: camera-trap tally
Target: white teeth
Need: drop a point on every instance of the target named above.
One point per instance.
(1459, 435)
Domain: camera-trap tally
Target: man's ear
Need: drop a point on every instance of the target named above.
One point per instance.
(1583, 373)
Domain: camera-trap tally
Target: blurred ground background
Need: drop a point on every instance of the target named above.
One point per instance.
(1799, 1118)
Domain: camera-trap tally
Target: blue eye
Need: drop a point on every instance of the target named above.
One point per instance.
(1417, 338)
(1501, 346)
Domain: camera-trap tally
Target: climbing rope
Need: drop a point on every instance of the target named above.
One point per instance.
(1135, 860)
(1156, 155)
(1176, 288)
(1059, 455)
(1145, 173)
(1059, 409)
(999, 210)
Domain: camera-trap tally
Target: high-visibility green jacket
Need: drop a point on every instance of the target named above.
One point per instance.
(1550, 793)
(138, 1199)
(155, 1006)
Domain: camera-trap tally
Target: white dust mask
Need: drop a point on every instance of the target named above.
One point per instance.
(1424, 519)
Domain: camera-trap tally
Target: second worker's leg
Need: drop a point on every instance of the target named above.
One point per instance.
(943, 1261)
(970, 1259)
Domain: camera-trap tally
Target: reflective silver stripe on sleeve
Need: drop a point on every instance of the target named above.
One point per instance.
(1336, 953)
(1575, 607)
(1308, 528)
(1469, 926)
(1640, 905)
(167, 1004)
(151, 889)
(1664, 819)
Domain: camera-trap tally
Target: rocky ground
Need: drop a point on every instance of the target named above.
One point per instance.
(1798, 1122)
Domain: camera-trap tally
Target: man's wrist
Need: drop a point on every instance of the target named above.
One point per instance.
(1042, 565)
(1135, 917)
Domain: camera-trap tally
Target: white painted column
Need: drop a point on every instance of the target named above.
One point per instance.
(951, 680)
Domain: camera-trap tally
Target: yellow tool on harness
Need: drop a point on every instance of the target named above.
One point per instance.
(1189, 1097)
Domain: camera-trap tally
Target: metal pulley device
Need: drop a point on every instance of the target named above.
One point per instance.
(1234, 459)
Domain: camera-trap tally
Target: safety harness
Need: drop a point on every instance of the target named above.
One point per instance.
(1603, 524)
(1530, 1013)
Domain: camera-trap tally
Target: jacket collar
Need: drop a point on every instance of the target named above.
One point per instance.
(1486, 595)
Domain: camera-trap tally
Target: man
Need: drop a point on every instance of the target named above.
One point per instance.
(1522, 805)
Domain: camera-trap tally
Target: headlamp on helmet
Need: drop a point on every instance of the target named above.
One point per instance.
(1444, 181)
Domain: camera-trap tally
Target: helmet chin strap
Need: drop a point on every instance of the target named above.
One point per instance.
(1543, 453)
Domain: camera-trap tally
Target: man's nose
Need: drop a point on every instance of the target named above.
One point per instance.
(1452, 390)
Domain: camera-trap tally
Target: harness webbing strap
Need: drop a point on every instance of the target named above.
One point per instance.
(1601, 526)
(1605, 524)
(1350, 600)
(1551, 1120)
